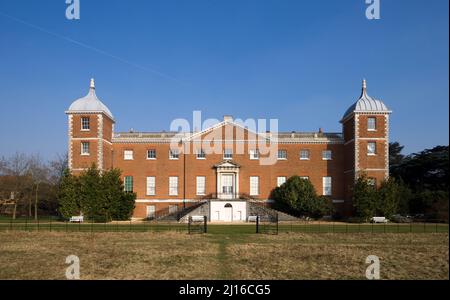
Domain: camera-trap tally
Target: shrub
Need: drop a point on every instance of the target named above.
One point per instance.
(298, 197)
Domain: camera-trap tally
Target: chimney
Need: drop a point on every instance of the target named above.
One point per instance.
(228, 118)
(320, 130)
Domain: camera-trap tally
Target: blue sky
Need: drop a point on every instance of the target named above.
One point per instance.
(299, 61)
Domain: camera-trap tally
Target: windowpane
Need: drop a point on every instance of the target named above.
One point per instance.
(201, 189)
(254, 185)
(174, 154)
(85, 148)
(281, 180)
(173, 186)
(326, 186)
(304, 154)
(151, 209)
(228, 154)
(201, 154)
(85, 123)
(151, 154)
(282, 154)
(128, 184)
(371, 148)
(254, 154)
(326, 154)
(128, 154)
(371, 123)
(151, 186)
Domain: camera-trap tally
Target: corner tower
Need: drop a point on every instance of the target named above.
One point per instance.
(366, 140)
(90, 130)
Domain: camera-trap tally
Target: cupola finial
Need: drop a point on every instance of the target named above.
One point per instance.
(92, 85)
(364, 88)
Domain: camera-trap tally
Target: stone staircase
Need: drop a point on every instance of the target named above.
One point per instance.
(178, 215)
(255, 208)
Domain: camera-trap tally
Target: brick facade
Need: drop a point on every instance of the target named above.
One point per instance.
(349, 157)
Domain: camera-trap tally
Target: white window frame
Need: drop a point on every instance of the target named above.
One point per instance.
(125, 185)
(84, 123)
(85, 150)
(254, 185)
(305, 151)
(282, 151)
(304, 177)
(148, 152)
(173, 186)
(228, 153)
(200, 154)
(151, 186)
(201, 185)
(326, 157)
(369, 127)
(327, 186)
(374, 149)
(253, 154)
(153, 211)
(128, 154)
(281, 180)
(174, 154)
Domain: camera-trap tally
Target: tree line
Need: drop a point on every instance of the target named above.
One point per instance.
(32, 187)
(418, 184)
(31, 183)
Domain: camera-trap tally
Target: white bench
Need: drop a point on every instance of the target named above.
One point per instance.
(197, 218)
(252, 218)
(378, 220)
(78, 219)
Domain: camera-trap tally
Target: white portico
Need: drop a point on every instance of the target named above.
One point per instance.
(227, 180)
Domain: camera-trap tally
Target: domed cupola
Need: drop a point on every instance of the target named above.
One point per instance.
(90, 104)
(366, 104)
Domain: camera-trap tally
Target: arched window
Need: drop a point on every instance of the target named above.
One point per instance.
(228, 205)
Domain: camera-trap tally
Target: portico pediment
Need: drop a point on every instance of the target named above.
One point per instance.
(227, 164)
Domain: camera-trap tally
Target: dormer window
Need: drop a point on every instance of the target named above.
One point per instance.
(85, 126)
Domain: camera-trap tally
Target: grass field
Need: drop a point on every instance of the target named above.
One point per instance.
(222, 255)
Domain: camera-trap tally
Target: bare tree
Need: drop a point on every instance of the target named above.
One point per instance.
(16, 167)
(39, 173)
(57, 168)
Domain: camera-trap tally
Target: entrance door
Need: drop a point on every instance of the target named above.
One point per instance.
(227, 213)
(227, 186)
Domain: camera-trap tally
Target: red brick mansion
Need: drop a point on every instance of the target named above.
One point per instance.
(222, 164)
